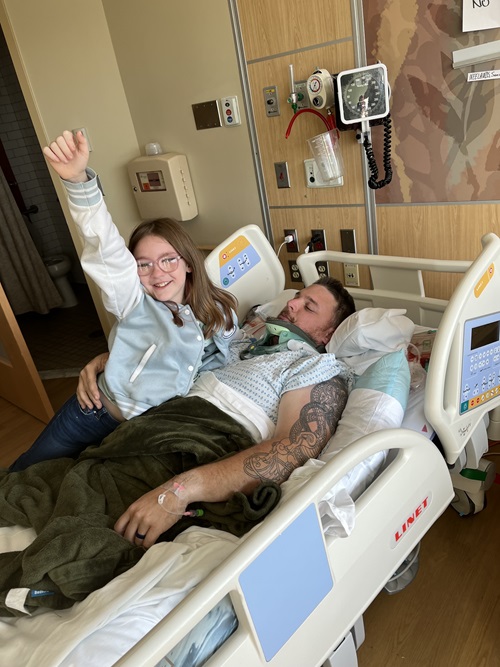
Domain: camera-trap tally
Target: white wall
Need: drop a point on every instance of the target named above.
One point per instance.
(129, 72)
(172, 55)
(66, 66)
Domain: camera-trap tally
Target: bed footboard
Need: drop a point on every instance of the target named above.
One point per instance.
(341, 575)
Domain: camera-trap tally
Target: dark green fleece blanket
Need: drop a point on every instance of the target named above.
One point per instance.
(73, 505)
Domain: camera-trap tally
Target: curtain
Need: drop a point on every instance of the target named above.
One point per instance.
(23, 275)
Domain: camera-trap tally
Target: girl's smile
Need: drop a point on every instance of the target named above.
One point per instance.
(161, 284)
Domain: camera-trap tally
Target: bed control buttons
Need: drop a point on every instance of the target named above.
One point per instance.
(236, 261)
(480, 380)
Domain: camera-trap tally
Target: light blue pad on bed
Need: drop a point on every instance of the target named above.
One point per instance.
(287, 581)
(390, 375)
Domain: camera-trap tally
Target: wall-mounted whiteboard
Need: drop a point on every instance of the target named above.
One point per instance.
(480, 14)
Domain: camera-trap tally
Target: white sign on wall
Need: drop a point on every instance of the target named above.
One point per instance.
(480, 14)
(483, 76)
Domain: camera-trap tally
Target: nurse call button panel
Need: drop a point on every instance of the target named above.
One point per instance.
(236, 260)
(480, 361)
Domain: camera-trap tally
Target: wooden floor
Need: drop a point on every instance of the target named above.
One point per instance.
(449, 616)
(18, 430)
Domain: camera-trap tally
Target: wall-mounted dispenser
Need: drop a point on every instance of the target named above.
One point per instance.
(162, 187)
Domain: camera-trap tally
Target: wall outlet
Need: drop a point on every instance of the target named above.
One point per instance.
(322, 269)
(292, 246)
(351, 275)
(351, 271)
(314, 179)
(348, 240)
(318, 239)
(295, 276)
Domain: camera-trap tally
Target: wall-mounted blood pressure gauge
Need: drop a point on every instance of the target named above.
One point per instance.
(363, 93)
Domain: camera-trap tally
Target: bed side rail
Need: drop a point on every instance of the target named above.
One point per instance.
(455, 412)
(396, 281)
(391, 518)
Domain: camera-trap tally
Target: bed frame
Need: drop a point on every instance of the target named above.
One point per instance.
(335, 579)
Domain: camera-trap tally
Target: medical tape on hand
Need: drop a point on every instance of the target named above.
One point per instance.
(176, 491)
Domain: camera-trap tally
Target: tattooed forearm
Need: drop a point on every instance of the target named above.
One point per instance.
(309, 434)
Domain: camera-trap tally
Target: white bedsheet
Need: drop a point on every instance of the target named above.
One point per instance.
(99, 630)
(136, 601)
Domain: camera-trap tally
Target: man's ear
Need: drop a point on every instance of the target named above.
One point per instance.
(328, 334)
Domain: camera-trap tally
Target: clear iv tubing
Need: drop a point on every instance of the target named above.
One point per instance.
(327, 121)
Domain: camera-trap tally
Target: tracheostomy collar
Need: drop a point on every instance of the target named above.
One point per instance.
(283, 332)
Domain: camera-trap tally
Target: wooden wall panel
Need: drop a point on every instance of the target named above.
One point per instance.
(451, 231)
(275, 26)
(318, 33)
(308, 35)
(330, 219)
(271, 131)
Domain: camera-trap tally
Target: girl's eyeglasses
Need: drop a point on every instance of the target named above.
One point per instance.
(166, 264)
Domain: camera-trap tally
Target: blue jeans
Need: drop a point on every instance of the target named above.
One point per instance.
(68, 433)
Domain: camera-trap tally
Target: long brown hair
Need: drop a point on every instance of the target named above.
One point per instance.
(211, 305)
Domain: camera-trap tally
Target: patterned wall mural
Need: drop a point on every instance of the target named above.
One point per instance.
(446, 131)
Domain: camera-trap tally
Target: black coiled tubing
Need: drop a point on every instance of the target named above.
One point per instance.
(372, 163)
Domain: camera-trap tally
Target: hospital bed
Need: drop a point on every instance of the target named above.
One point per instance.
(292, 594)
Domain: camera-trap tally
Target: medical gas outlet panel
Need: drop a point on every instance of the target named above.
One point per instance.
(480, 362)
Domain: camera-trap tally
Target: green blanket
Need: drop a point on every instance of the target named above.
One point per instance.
(73, 505)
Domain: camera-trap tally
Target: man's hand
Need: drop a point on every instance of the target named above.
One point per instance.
(68, 155)
(87, 391)
(146, 519)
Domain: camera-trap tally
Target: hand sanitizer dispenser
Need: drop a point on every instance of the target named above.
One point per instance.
(162, 187)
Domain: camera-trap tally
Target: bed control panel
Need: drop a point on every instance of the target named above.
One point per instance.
(247, 265)
(481, 361)
(236, 260)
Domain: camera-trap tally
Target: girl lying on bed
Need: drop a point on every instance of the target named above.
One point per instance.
(213, 458)
(172, 320)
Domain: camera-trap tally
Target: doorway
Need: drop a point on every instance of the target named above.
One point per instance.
(63, 340)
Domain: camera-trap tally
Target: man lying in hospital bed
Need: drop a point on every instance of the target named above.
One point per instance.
(146, 477)
(394, 331)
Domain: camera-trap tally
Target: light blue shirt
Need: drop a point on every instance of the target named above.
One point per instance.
(151, 358)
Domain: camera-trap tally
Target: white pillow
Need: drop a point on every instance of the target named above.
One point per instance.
(367, 335)
(274, 307)
(377, 401)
